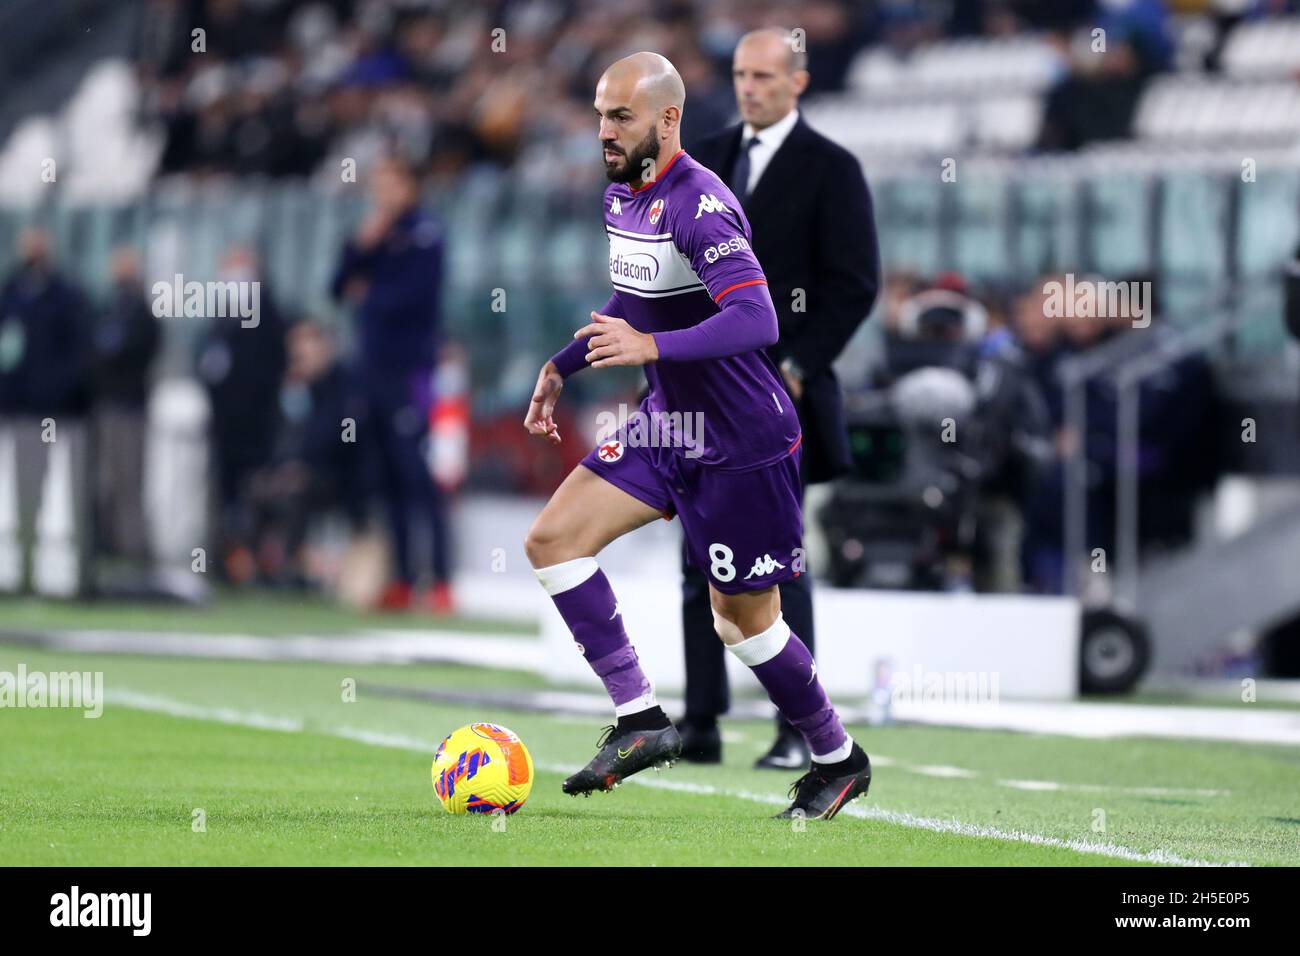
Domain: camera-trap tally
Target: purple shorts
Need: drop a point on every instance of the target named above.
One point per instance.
(744, 529)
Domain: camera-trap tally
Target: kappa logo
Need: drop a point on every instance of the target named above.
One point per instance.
(610, 451)
(764, 565)
(616, 207)
(709, 203)
(657, 210)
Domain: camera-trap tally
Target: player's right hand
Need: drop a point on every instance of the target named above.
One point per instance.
(539, 420)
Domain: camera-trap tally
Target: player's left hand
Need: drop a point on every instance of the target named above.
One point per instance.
(611, 341)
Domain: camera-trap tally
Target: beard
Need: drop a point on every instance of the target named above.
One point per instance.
(635, 162)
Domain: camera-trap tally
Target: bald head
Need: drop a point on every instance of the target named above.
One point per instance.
(639, 100)
(649, 76)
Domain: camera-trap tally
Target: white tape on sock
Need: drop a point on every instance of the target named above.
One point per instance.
(839, 753)
(761, 648)
(567, 575)
(637, 704)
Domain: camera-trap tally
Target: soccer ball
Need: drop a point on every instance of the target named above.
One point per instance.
(482, 768)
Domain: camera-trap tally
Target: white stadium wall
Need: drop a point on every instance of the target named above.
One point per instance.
(1027, 646)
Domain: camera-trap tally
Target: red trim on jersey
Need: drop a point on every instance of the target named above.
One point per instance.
(738, 285)
(797, 442)
(659, 175)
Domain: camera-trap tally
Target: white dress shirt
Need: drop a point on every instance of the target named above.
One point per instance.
(769, 141)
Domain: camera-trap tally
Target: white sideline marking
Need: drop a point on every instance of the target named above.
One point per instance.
(963, 773)
(1245, 723)
(880, 760)
(220, 715)
(366, 647)
(225, 715)
(1098, 788)
(1031, 784)
(943, 771)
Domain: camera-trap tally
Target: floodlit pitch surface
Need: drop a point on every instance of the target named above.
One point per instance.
(234, 762)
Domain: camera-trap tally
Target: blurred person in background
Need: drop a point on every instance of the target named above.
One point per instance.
(242, 368)
(124, 343)
(390, 272)
(1041, 336)
(1015, 445)
(712, 102)
(1042, 344)
(814, 234)
(283, 87)
(43, 382)
(1176, 457)
(42, 335)
(315, 469)
(1108, 67)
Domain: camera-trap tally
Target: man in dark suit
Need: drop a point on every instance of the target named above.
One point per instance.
(814, 234)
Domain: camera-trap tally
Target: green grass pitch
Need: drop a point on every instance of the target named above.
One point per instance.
(287, 772)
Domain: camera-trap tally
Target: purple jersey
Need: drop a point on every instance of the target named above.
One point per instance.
(677, 248)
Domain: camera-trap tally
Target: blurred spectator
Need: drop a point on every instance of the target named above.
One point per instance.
(44, 395)
(242, 368)
(1110, 62)
(42, 335)
(290, 87)
(712, 102)
(1014, 443)
(391, 273)
(995, 372)
(1175, 464)
(1041, 335)
(124, 342)
(315, 468)
(1175, 457)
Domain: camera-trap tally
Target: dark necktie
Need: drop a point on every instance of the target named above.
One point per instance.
(740, 174)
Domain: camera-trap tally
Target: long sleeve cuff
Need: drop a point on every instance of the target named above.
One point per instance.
(746, 322)
(571, 358)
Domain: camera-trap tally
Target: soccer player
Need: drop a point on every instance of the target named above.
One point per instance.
(691, 305)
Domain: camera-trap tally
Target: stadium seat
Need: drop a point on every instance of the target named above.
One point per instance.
(1021, 64)
(33, 141)
(1199, 110)
(1264, 49)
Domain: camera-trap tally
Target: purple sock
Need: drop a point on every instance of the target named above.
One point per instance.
(786, 669)
(583, 597)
